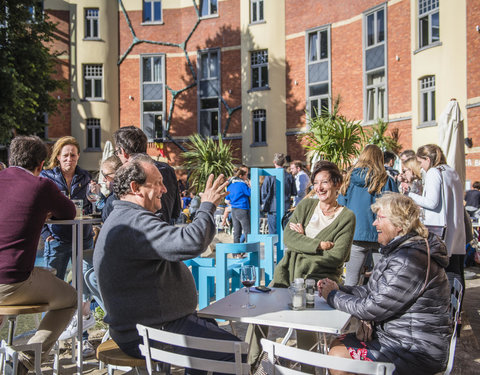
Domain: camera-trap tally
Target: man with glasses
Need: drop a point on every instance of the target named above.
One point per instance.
(130, 140)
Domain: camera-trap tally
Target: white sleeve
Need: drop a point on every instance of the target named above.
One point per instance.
(432, 191)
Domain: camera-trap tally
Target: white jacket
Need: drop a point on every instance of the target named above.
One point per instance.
(442, 201)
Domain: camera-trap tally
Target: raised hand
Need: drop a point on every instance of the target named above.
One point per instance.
(214, 190)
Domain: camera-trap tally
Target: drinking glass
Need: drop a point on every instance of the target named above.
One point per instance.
(248, 278)
(93, 195)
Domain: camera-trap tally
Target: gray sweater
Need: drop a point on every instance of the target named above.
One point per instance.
(138, 264)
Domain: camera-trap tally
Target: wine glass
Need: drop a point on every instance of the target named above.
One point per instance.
(93, 194)
(248, 278)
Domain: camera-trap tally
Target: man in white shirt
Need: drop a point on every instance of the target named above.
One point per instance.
(301, 180)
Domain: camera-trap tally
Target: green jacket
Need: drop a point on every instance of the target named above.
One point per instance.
(303, 259)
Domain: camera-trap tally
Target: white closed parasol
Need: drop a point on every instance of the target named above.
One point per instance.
(451, 137)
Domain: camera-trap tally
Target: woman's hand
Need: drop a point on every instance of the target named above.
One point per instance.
(325, 245)
(404, 187)
(297, 228)
(325, 286)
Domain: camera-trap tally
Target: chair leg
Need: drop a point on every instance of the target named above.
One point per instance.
(56, 358)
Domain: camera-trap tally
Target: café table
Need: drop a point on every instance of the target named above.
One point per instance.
(77, 273)
(272, 309)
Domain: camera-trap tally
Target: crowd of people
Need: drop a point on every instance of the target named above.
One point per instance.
(339, 222)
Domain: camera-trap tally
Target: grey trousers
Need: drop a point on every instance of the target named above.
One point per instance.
(358, 255)
(241, 221)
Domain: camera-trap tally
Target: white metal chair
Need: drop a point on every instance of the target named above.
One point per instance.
(455, 301)
(236, 348)
(274, 350)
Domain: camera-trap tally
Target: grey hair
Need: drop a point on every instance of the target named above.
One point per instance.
(132, 171)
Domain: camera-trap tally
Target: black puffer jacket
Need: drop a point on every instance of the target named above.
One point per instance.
(412, 327)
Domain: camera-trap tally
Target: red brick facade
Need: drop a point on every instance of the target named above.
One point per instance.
(217, 32)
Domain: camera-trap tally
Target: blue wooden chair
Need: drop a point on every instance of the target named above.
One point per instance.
(229, 269)
(270, 244)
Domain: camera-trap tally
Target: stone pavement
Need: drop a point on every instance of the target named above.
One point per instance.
(467, 355)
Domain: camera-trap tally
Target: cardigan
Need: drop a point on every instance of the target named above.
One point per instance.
(303, 259)
(442, 201)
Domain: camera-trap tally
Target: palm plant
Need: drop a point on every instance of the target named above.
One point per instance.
(333, 137)
(205, 156)
(377, 136)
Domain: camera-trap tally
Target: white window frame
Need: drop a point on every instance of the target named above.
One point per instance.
(258, 61)
(322, 98)
(211, 111)
(93, 73)
(255, 7)
(151, 4)
(377, 95)
(427, 99)
(376, 91)
(160, 80)
(427, 10)
(210, 12)
(92, 20)
(93, 127)
(259, 117)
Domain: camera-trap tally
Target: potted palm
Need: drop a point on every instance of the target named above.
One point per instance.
(333, 137)
(205, 156)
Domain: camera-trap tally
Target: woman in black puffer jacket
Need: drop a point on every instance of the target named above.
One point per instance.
(406, 299)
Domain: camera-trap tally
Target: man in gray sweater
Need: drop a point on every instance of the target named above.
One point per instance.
(138, 260)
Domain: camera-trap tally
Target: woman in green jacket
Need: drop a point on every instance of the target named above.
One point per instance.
(318, 237)
(319, 234)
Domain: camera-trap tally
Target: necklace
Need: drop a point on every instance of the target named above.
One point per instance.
(330, 211)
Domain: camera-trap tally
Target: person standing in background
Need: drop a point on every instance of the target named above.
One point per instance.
(239, 198)
(268, 193)
(366, 181)
(301, 181)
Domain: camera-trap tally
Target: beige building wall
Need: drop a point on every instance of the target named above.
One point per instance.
(446, 61)
(267, 35)
(103, 51)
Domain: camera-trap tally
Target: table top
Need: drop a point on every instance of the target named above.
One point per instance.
(272, 310)
(85, 219)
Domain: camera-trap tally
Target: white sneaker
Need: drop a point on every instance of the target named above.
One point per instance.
(88, 349)
(72, 328)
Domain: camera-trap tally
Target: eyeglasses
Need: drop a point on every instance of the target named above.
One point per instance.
(381, 217)
(117, 151)
(111, 174)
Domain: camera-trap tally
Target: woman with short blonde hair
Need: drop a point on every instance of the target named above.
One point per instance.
(407, 294)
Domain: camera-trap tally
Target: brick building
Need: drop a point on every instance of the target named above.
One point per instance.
(250, 69)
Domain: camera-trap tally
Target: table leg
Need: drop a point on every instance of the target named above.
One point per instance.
(79, 282)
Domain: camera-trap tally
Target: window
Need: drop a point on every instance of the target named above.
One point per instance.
(427, 100)
(36, 10)
(376, 95)
(259, 63)
(93, 78)
(259, 126)
(208, 8)
(429, 22)
(153, 95)
(91, 24)
(256, 11)
(318, 71)
(375, 66)
(152, 11)
(93, 134)
(209, 92)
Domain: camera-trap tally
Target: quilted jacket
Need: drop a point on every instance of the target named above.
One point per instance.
(412, 323)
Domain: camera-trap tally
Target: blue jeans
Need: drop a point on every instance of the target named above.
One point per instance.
(272, 222)
(57, 255)
(191, 325)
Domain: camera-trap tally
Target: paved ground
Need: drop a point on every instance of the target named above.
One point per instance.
(467, 356)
